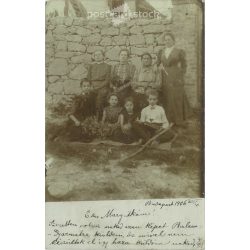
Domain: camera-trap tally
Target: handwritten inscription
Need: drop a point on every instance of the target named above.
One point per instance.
(177, 224)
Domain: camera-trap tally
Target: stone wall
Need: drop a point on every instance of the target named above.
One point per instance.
(70, 43)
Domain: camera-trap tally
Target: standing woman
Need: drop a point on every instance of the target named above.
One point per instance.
(172, 63)
(122, 75)
(99, 78)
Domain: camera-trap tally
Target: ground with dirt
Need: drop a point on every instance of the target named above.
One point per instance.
(79, 171)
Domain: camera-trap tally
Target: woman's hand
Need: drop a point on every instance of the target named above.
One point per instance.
(161, 67)
(165, 125)
(126, 127)
(112, 87)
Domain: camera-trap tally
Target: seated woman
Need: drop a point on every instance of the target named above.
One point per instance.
(147, 76)
(122, 75)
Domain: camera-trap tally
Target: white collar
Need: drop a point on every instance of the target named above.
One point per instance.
(153, 107)
(169, 49)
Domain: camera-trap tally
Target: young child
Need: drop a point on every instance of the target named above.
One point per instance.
(153, 119)
(127, 118)
(140, 98)
(99, 77)
(110, 118)
(83, 108)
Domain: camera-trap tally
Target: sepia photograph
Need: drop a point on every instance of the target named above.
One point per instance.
(122, 120)
(124, 99)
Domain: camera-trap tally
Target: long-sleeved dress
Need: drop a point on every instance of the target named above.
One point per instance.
(99, 77)
(174, 98)
(147, 77)
(121, 78)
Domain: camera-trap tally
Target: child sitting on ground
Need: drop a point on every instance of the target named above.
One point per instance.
(153, 119)
(110, 118)
(99, 77)
(83, 108)
(127, 118)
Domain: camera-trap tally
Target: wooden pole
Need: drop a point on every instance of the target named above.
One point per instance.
(147, 143)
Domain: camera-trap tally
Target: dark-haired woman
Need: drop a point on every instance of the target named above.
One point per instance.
(147, 76)
(172, 63)
(122, 75)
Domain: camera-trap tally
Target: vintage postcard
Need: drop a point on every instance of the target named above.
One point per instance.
(124, 160)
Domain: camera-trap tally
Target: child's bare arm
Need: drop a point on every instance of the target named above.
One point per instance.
(75, 120)
(143, 117)
(104, 117)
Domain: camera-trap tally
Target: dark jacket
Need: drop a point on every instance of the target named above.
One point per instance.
(83, 106)
(175, 66)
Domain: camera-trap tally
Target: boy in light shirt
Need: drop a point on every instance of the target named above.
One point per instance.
(153, 118)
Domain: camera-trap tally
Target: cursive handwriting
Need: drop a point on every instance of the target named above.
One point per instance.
(162, 205)
(132, 213)
(146, 225)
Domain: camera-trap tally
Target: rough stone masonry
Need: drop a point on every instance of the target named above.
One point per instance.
(70, 43)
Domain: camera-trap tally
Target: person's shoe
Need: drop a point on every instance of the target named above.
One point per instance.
(140, 142)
